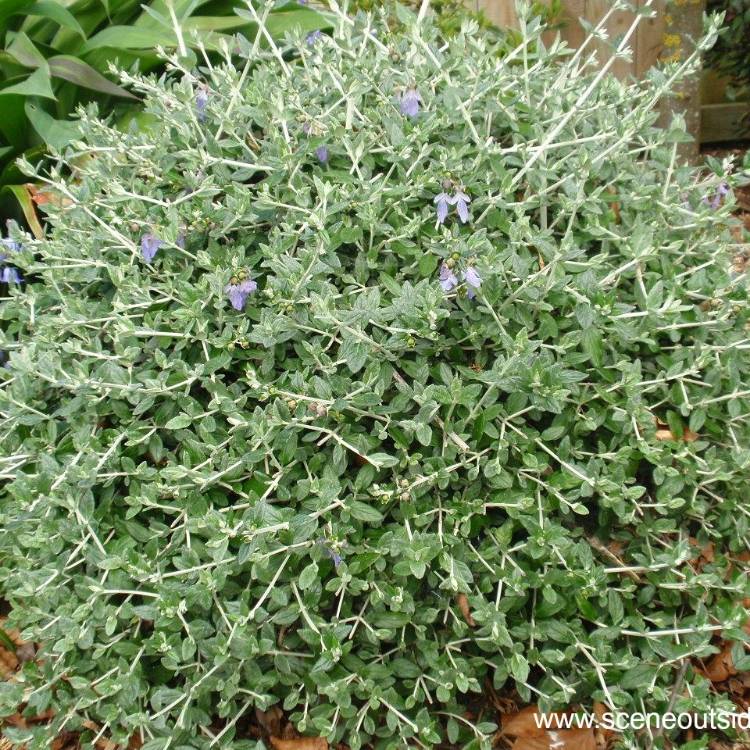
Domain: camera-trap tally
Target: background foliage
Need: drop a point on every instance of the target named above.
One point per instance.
(731, 54)
(534, 414)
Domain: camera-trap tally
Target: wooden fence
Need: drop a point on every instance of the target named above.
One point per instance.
(646, 42)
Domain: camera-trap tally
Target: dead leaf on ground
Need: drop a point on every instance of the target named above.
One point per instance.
(463, 604)
(524, 727)
(271, 721)
(565, 739)
(706, 554)
(664, 433)
(301, 743)
(603, 735)
(11, 660)
(721, 666)
(8, 663)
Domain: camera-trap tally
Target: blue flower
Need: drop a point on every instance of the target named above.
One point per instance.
(150, 243)
(10, 275)
(409, 102)
(201, 102)
(448, 280)
(322, 153)
(313, 37)
(239, 289)
(721, 191)
(458, 198)
(462, 201)
(10, 244)
(473, 281)
(443, 200)
(335, 556)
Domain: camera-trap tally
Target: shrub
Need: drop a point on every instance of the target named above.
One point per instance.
(365, 382)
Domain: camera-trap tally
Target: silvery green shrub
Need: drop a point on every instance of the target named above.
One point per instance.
(378, 373)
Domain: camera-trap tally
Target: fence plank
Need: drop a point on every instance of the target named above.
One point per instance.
(646, 43)
(724, 122)
(650, 39)
(501, 12)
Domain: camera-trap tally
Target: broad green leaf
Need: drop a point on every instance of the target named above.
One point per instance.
(9, 8)
(58, 13)
(279, 24)
(22, 197)
(37, 84)
(13, 124)
(78, 72)
(183, 9)
(140, 38)
(24, 51)
(56, 133)
(216, 23)
(129, 37)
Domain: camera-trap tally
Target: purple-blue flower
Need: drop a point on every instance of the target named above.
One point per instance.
(721, 191)
(448, 280)
(238, 290)
(473, 281)
(452, 196)
(409, 102)
(10, 244)
(10, 275)
(313, 37)
(335, 556)
(150, 243)
(201, 102)
(442, 201)
(462, 205)
(322, 153)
